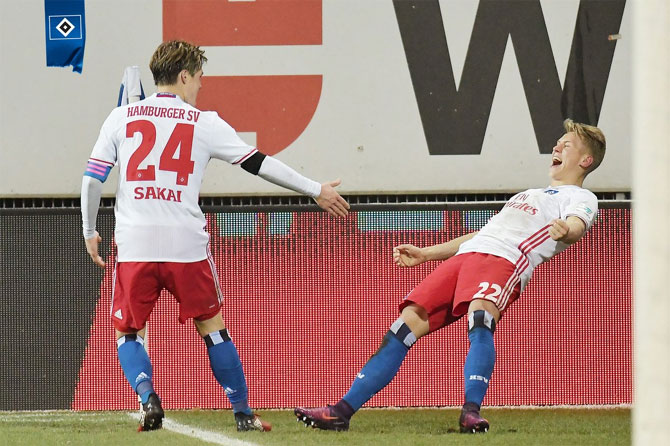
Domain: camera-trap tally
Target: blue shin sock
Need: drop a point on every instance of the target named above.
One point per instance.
(481, 356)
(136, 364)
(227, 368)
(380, 369)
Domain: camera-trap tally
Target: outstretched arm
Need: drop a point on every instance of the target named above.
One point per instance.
(410, 255)
(332, 201)
(276, 172)
(91, 191)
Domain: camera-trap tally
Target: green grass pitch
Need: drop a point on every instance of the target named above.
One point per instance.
(383, 427)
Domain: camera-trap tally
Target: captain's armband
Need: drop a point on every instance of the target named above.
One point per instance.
(98, 169)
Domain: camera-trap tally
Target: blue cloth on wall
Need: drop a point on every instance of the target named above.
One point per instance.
(65, 27)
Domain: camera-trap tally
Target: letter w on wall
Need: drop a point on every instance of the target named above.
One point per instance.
(454, 120)
(276, 108)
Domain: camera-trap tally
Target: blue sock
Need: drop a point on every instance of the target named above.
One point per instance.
(136, 364)
(382, 367)
(227, 368)
(481, 356)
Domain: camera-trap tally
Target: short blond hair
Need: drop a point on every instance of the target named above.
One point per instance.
(593, 139)
(171, 57)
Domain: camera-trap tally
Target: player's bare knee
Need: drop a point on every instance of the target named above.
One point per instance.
(416, 318)
(210, 325)
(486, 305)
(120, 334)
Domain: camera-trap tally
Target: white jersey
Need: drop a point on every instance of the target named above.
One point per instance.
(162, 146)
(519, 232)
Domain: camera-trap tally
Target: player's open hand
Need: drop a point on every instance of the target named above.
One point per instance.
(331, 201)
(559, 230)
(408, 255)
(92, 249)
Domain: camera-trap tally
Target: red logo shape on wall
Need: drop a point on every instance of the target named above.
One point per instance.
(277, 108)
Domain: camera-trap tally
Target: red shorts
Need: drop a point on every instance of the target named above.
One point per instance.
(137, 286)
(447, 292)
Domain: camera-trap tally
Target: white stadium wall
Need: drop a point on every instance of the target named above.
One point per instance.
(360, 90)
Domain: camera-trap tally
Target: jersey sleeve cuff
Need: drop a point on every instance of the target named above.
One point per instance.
(88, 233)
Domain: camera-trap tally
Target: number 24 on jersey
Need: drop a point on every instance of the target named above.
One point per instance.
(181, 137)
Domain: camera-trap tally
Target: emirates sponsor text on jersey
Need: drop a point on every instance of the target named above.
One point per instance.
(163, 112)
(518, 203)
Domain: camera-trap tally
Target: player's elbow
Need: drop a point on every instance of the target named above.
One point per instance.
(89, 181)
(253, 163)
(574, 235)
(576, 230)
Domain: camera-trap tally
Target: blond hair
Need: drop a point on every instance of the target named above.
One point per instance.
(171, 57)
(592, 138)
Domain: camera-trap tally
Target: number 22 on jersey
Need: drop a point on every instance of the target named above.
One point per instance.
(181, 138)
(484, 292)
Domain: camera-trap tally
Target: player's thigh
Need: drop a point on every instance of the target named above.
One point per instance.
(136, 290)
(435, 294)
(195, 286)
(486, 278)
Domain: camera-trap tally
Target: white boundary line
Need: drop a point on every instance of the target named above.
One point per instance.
(56, 415)
(200, 434)
(545, 407)
(565, 406)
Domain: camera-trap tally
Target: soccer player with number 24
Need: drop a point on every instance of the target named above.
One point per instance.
(483, 274)
(162, 146)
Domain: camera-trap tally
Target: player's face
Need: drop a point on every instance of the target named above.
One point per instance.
(569, 159)
(192, 86)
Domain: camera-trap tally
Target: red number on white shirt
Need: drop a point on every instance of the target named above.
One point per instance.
(492, 296)
(148, 131)
(181, 138)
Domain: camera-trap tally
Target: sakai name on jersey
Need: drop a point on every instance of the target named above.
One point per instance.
(163, 112)
(157, 193)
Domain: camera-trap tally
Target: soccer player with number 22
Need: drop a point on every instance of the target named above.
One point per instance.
(483, 274)
(162, 146)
